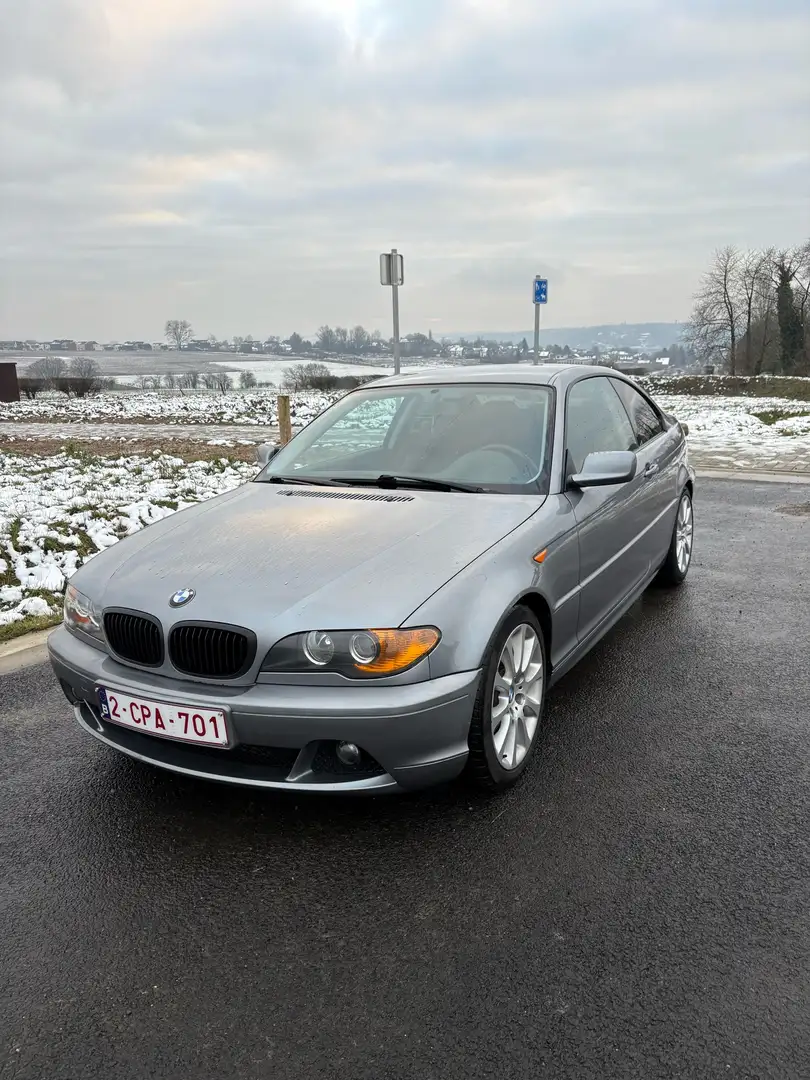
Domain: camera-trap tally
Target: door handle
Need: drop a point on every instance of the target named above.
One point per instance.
(650, 469)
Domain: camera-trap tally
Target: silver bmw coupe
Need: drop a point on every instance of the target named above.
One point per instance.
(388, 603)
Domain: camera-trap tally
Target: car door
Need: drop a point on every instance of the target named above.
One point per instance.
(658, 463)
(609, 519)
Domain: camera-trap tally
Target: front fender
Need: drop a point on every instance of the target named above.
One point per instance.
(471, 606)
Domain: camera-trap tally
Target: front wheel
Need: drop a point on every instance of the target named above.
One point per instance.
(679, 557)
(509, 705)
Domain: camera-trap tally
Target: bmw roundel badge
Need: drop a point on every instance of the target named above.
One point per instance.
(181, 597)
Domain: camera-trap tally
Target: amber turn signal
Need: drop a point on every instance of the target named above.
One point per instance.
(541, 555)
(400, 649)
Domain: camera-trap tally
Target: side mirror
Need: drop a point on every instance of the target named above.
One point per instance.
(605, 469)
(265, 452)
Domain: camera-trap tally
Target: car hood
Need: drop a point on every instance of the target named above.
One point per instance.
(296, 558)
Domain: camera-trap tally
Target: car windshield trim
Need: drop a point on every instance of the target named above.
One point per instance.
(389, 480)
(318, 481)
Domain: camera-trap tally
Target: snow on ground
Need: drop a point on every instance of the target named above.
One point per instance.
(168, 407)
(56, 512)
(735, 428)
(744, 432)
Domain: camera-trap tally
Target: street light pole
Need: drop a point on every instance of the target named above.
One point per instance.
(395, 305)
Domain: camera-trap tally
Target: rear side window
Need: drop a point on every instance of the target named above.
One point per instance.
(596, 421)
(645, 420)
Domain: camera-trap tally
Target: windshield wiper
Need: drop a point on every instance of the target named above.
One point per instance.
(318, 481)
(388, 480)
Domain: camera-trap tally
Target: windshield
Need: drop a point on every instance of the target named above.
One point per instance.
(491, 436)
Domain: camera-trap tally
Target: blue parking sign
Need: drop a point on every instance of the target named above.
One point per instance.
(541, 290)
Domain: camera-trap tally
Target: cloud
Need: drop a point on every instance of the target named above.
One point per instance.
(242, 164)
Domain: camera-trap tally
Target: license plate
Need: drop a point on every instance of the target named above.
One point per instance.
(187, 723)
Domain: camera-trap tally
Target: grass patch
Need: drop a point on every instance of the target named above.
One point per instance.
(85, 545)
(14, 533)
(51, 545)
(168, 504)
(79, 452)
(27, 626)
(771, 416)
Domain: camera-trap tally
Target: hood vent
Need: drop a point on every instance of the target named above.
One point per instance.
(358, 496)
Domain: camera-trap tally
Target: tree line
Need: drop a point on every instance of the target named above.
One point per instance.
(752, 312)
(79, 377)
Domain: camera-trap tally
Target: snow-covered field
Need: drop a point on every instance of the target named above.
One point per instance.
(56, 512)
(731, 431)
(167, 407)
(728, 426)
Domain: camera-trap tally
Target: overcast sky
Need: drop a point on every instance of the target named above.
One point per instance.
(242, 163)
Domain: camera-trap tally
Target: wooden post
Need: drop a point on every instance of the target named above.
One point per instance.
(284, 422)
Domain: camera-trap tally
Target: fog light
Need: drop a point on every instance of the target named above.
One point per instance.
(348, 753)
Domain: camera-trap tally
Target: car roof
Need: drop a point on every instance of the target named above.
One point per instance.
(530, 374)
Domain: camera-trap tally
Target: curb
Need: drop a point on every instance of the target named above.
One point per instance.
(24, 651)
(753, 475)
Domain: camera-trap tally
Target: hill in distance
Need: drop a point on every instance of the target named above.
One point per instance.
(649, 336)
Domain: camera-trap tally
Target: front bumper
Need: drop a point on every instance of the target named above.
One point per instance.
(413, 735)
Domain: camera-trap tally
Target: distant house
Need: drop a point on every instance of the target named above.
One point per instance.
(61, 345)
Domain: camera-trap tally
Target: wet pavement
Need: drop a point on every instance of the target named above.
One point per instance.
(638, 907)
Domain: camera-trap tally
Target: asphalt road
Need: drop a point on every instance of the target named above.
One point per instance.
(639, 907)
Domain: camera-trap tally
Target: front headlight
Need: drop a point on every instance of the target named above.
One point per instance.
(357, 654)
(81, 615)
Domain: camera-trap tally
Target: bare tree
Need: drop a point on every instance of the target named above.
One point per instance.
(801, 288)
(178, 332)
(326, 338)
(170, 380)
(49, 369)
(247, 380)
(221, 380)
(714, 328)
(147, 382)
(787, 268)
(756, 297)
(359, 339)
(84, 376)
(312, 376)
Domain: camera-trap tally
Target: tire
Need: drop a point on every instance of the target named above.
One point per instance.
(676, 566)
(496, 761)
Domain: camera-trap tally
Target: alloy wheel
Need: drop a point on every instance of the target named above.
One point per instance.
(517, 696)
(684, 528)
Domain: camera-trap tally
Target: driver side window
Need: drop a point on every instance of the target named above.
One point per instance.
(595, 421)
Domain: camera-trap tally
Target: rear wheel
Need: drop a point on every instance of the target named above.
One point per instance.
(679, 557)
(509, 706)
